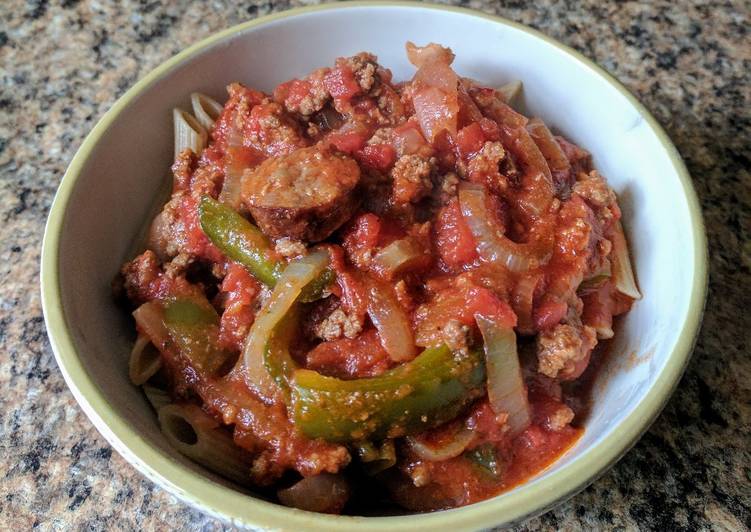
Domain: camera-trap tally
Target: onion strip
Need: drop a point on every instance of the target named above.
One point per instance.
(491, 245)
(293, 279)
(450, 449)
(392, 323)
(398, 256)
(506, 390)
(232, 185)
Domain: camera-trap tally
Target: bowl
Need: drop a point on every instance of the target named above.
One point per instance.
(108, 195)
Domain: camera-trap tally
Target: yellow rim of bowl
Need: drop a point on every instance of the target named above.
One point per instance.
(229, 505)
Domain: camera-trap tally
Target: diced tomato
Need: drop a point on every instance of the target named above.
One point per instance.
(470, 139)
(490, 129)
(341, 83)
(599, 307)
(241, 157)
(235, 113)
(460, 304)
(485, 423)
(353, 295)
(549, 313)
(195, 240)
(453, 239)
(362, 233)
(362, 356)
(483, 301)
(378, 156)
(534, 437)
(239, 290)
(348, 142)
(292, 92)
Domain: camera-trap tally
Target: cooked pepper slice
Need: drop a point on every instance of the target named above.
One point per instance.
(239, 240)
(243, 242)
(485, 458)
(420, 394)
(276, 358)
(193, 326)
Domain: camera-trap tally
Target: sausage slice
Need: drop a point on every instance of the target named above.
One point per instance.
(305, 195)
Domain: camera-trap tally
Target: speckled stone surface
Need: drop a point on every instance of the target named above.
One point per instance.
(63, 63)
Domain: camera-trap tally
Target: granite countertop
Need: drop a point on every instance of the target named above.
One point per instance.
(63, 64)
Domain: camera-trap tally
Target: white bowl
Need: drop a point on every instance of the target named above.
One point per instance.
(109, 191)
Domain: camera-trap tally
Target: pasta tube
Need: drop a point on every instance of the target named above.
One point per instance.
(205, 109)
(199, 437)
(189, 133)
(145, 360)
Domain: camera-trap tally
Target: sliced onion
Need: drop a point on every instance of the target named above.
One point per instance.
(293, 279)
(491, 246)
(436, 111)
(523, 299)
(327, 493)
(232, 186)
(409, 141)
(510, 91)
(430, 53)
(399, 256)
(438, 453)
(392, 323)
(549, 147)
(506, 390)
(623, 275)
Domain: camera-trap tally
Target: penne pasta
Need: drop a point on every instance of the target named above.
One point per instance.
(145, 360)
(623, 274)
(205, 109)
(511, 91)
(157, 397)
(189, 133)
(198, 436)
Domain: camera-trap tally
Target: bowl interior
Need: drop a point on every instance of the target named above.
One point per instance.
(109, 195)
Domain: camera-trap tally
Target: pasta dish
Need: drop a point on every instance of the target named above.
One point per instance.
(364, 292)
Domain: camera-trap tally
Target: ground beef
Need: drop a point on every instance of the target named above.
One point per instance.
(182, 169)
(484, 167)
(272, 131)
(563, 352)
(364, 67)
(559, 418)
(288, 248)
(411, 175)
(456, 336)
(139, 275)
(337, 325)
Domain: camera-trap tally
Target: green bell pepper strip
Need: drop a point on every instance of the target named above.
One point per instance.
(417, 395)
(276, 358)
(243, 242)
(193, 327)
(485, 459)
